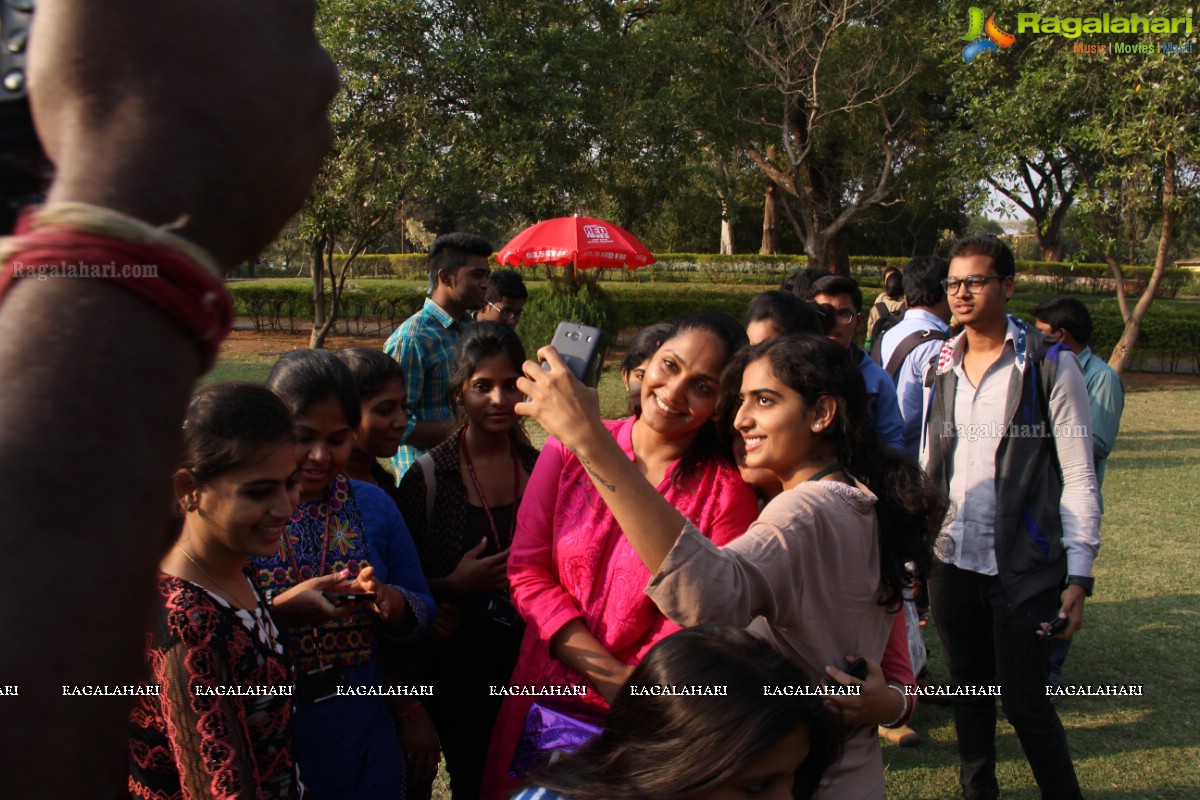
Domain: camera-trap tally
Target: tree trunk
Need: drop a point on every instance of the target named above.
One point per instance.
(1114, 267)
(770, 237)
(726, 227)
(316, 266)
(1133, 325)
(837, 258)
(1050, 251)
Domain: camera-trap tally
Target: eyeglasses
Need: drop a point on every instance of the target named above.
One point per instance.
(506, 314)
(974, 283)
(829, 313)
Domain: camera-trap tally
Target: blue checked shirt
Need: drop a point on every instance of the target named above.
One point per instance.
(424, 346)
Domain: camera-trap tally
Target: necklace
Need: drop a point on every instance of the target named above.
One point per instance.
(512, 528)
(216, 583)
(260, 615)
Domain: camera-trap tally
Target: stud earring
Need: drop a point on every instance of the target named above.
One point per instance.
(191, 506)
(816, 426)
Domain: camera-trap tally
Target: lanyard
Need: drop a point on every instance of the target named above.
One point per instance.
(824, 472)
(512, 528)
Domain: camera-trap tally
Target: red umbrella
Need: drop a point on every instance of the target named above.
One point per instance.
(584, 242)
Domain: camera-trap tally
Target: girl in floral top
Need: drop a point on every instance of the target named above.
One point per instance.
(220, 726)
(346, 742)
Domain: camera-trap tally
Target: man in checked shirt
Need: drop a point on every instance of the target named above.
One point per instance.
(424, 343)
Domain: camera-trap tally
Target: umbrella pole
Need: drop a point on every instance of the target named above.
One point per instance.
(571, 271)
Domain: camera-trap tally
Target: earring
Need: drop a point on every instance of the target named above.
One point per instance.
(816, 427)
(191, 506)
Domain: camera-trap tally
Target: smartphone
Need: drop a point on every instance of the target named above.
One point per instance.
(346, 598)
(581, 346)
(1057, 626)
(857, 670)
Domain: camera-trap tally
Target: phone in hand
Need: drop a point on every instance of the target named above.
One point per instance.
(346, 598)
(581, 347)
(1057, 626)
(857, 670)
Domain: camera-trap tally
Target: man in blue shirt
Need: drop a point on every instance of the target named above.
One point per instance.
(844, 296)
(424, 343)
(921, 333)
(1066, 320)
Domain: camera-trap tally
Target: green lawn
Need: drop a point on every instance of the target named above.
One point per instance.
(1141, 627)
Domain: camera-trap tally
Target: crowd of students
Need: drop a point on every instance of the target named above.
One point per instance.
(748, 488)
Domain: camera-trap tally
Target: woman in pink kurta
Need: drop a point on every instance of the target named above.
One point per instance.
(570, 562)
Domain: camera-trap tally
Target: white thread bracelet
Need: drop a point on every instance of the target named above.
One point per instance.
(903, 706)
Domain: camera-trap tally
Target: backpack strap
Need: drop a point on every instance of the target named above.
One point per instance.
(907, 345)
(425, 462)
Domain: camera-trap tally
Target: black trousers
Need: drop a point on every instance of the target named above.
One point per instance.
(986, 641)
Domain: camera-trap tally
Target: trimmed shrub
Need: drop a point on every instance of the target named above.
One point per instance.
(557, 302)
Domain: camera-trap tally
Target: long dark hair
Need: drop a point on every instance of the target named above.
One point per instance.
(709, 443)
(231, 424)
(909, 507)
(668, 746)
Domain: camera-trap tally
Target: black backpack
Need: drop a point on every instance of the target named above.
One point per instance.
(887, 318)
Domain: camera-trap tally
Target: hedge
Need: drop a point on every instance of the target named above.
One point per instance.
(771, 269)
(365, 311)
(1169, 339)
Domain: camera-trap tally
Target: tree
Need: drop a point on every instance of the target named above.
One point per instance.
(380, 154)
(1146, 144)
(1016, 115)
(832, 106)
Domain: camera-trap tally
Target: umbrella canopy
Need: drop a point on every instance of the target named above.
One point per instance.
(584, 242)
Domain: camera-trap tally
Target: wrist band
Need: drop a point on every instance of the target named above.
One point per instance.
(903, 707)
(152, 266)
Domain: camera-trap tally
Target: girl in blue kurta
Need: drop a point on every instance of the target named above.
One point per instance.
(346, 742)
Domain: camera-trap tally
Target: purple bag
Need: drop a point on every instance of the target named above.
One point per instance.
(551, 731)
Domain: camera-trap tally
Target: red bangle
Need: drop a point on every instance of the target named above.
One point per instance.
(161, 275)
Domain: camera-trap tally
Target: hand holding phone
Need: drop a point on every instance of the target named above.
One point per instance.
(1057, 626)
(857, 670)
(581, 347)
(340, 599)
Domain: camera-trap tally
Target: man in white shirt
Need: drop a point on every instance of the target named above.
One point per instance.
(1007, 434)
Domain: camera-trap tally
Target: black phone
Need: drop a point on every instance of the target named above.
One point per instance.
(1057, 626)
(581, 347)
(346, 598)
(857, 670)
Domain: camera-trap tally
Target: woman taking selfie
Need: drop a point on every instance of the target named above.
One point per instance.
(575, 579)
(741, 743)
(346, 743)
(236, 487)
(460, 501)
(824, 564)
